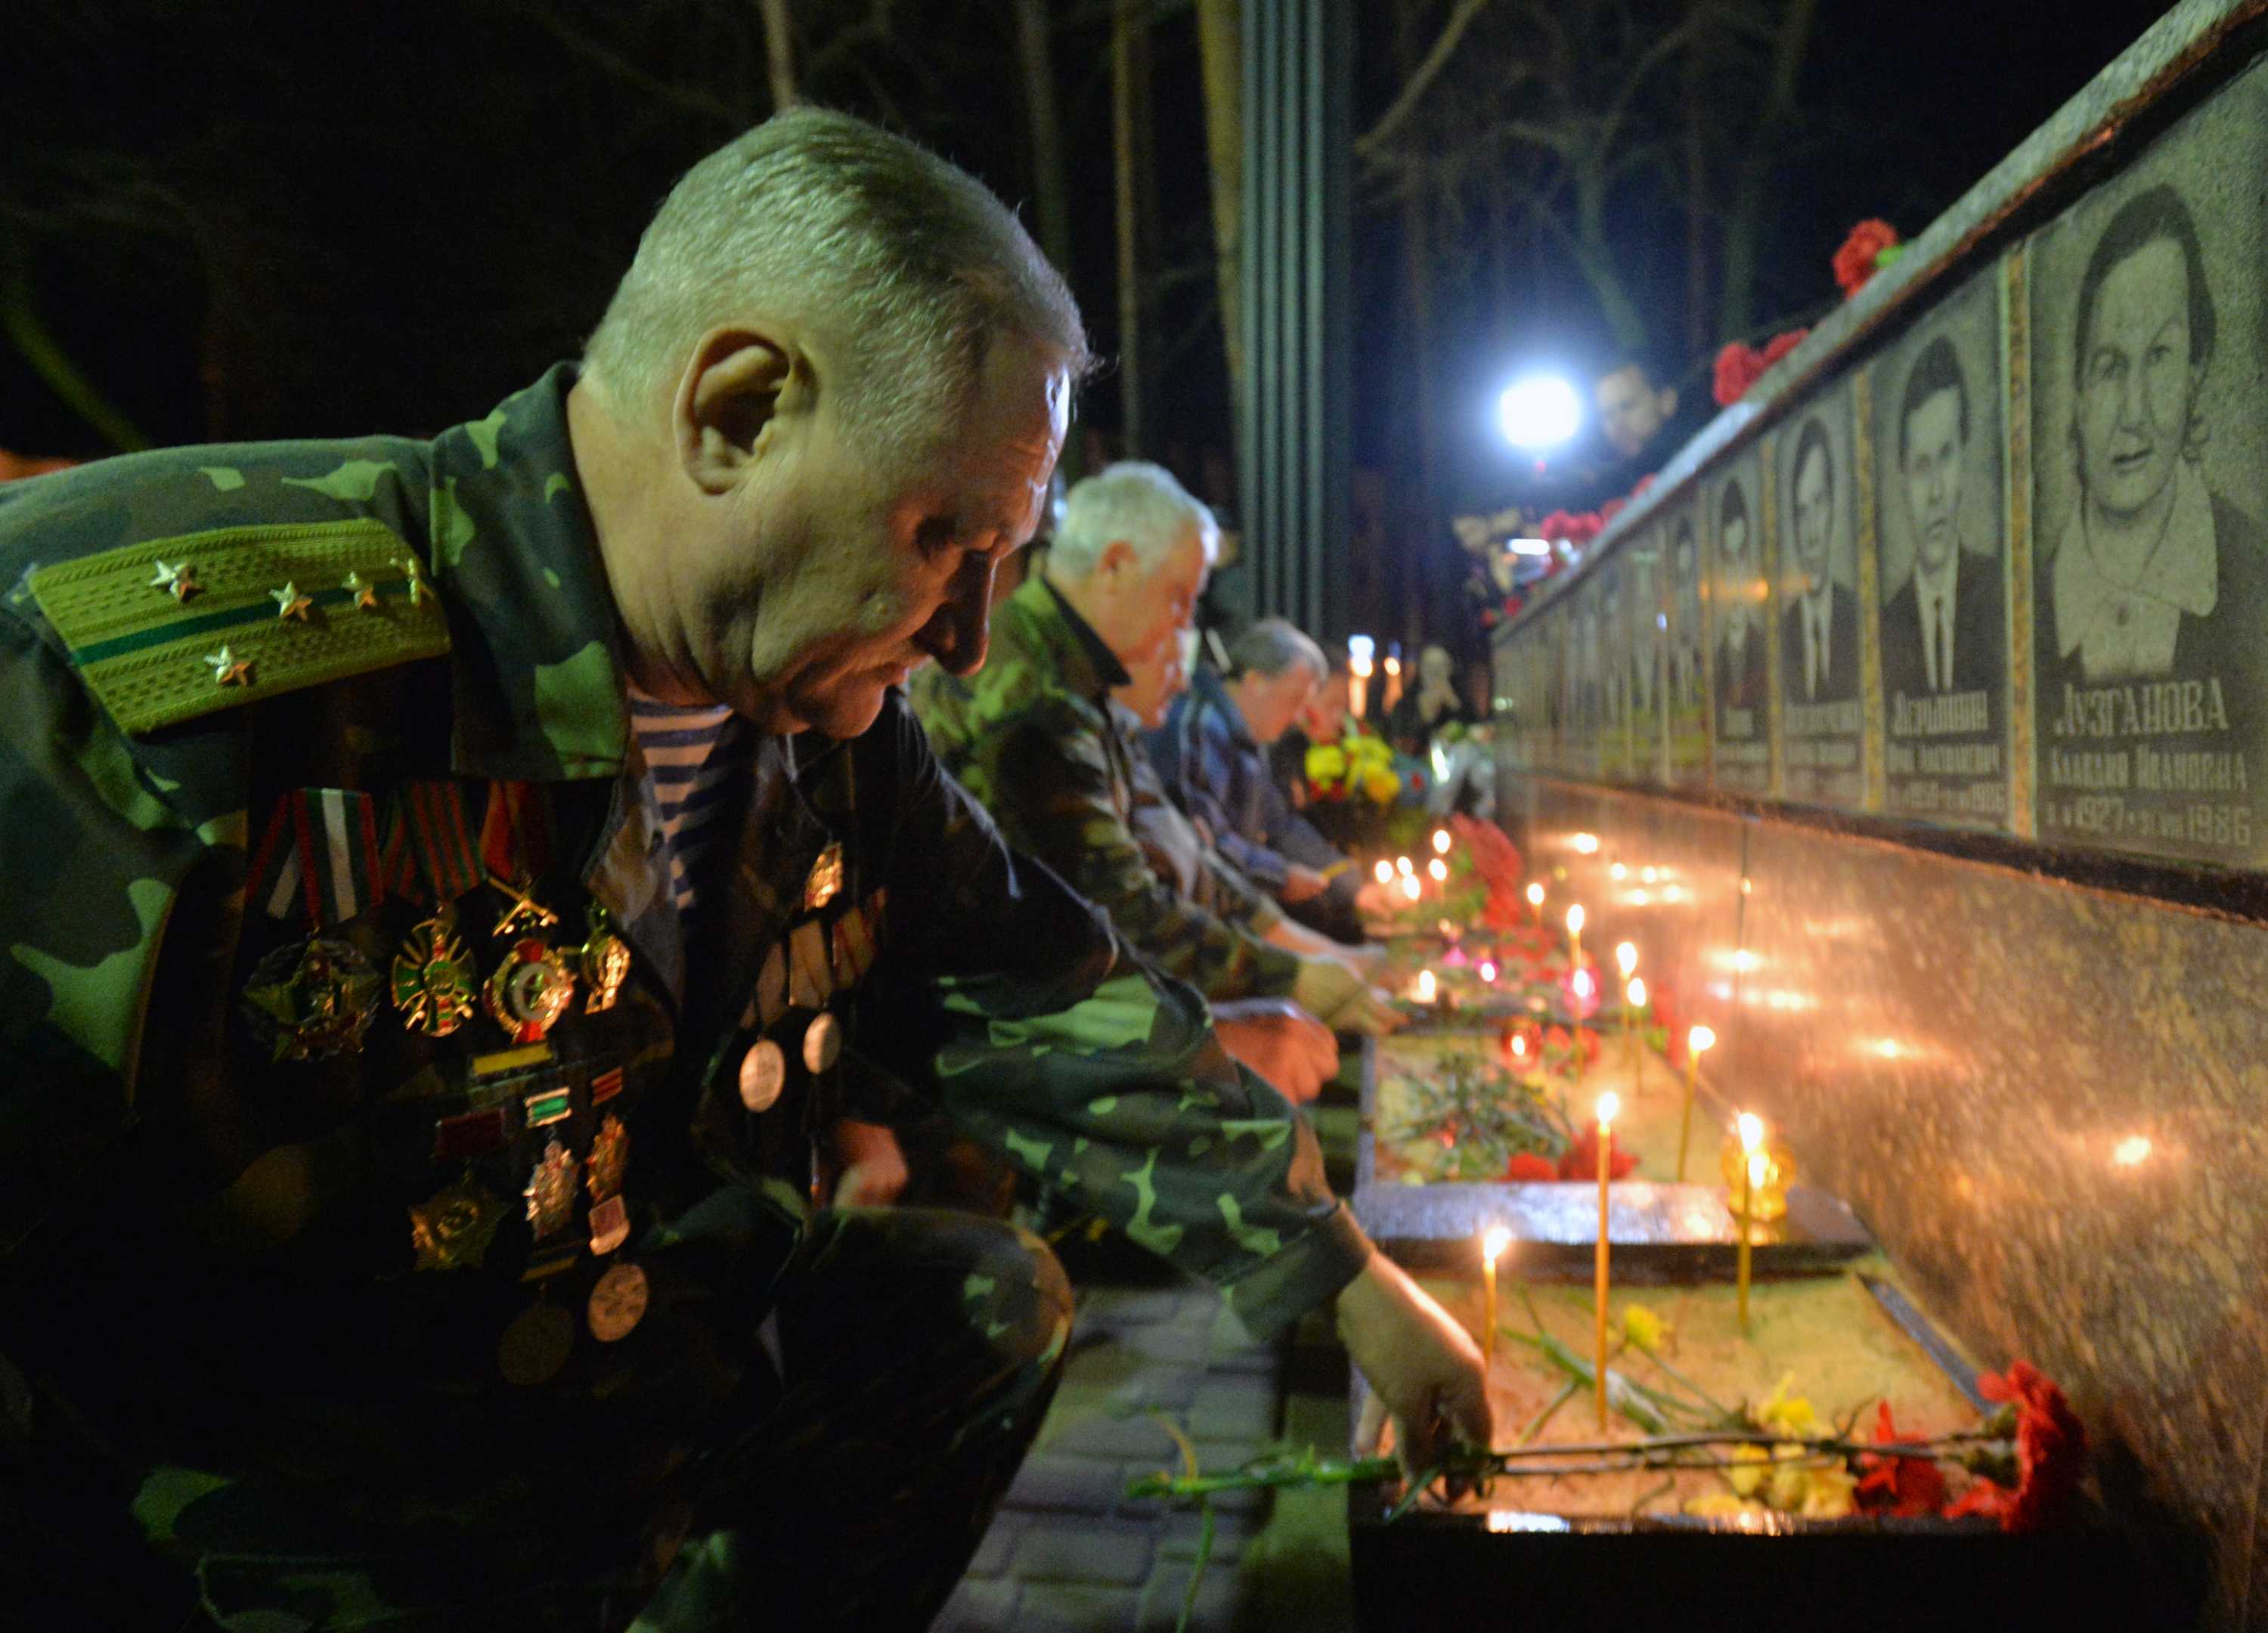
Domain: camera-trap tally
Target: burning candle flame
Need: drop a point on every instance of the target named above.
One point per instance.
(1425, 985)
(1575, 920)
(1439, 869)
(1699, 1038)
(1586, 844)
(1441, 841)
(1401, 866)
(1494, 1240)
(1580, 981)
(1536, 895)
(1410, 887)
(1384, 872)
(1752, 1130)
(1618, 872)
(1609, 1104)
(1638, 992)
(1626, 958)
(1519, 1043)
(1488, 970)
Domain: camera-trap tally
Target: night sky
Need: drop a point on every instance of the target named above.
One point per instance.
(269, 220)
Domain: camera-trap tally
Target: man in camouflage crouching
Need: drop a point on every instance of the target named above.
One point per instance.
(450, 889)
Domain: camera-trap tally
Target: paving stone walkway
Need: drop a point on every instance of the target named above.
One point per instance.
(1069, 1553)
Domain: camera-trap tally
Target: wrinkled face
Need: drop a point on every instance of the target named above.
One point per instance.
(1143, 608)
(830, 573)
(1157, 678)
(1269, 704)
(1932, 476)
(1630, 411)
(1814, 520)
(2137, 382)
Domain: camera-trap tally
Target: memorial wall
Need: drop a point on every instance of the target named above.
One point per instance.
(1915, 721)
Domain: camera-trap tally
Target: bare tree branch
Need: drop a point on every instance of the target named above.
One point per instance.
(1413, 89)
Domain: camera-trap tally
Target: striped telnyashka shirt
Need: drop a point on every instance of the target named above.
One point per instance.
(691, 758)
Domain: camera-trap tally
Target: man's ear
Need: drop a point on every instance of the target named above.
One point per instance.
(729, 396)
(1118, 558)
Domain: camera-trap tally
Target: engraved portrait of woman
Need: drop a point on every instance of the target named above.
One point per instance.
(2155, 576)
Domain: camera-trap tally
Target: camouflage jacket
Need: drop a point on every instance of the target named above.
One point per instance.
(389, 630)
(1033, 737)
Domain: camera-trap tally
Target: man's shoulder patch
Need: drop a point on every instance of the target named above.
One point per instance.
(166, 630)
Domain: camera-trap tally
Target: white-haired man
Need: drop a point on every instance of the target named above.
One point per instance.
(1033, 738)
(453, 882)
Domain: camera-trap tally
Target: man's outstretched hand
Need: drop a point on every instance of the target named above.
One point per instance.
(1291, 1048)
(1425, 1369)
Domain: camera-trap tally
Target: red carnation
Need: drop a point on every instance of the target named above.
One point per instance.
(1527, 1168)
(1779, 345)
(2050, 1454)
(1739, 367)
(1581, 1161)
(1861, 254)
(1907, 1487)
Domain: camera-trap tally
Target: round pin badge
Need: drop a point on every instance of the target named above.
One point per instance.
(763, 1074)
(617, 1303)
(822, 1043)
(536, 1344)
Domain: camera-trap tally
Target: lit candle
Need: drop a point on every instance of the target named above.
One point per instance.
(1520, 1046)
(1633, 1005)
(1695, 1041)
(1441, 841)
(1610, 1103)
(1536, 901)
(1402, 866)
(1410, 887)
(1575, 936)
(1752, 1164)
(1425, 989)
(1440, 870)
(1618, 872)
(1384, 871)
(1488, 971)
(1494, 1240)
(1626, 961)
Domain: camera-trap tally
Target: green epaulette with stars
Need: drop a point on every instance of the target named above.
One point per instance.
(169, 630)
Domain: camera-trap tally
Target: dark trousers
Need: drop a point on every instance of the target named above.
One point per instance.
(845, 1484)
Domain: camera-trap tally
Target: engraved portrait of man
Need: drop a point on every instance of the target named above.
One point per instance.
(1741, 660)
(1685, 626)
(1942, 632)
(1819, 631)
(2155, 577)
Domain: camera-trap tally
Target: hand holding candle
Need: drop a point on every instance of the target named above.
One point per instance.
(1696, 1040)
(1610, 1103)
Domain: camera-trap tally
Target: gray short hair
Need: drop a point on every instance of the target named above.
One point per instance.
(1133, 500)
(1273, 645)
(907, 262)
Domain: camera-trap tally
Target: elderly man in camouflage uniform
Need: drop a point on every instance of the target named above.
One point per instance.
(407, 1199)
(1033, 738)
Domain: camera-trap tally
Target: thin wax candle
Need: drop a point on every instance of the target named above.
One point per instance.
(1610, 1103)
(1699, 1038)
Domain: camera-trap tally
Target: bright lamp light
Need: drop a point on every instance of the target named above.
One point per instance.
(1541, 411)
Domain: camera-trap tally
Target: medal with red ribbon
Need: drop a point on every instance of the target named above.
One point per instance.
(319, 856)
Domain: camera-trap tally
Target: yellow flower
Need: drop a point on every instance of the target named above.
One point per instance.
(1643, 1329)
(1382, 786)
(1830, 1493)
(1747, 1482)
(1789, 1415)
(1370, 753)
(1719, 1504)
(1326, 762)
(1791, 1482)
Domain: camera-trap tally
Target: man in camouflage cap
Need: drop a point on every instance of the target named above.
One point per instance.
(1033, 738)
(452, 885)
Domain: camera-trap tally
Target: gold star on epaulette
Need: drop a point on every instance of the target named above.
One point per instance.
(229, 669)
(365, 593)
(290, 603)
(178, 579)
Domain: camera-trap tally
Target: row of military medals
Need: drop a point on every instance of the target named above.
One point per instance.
(315, 999)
